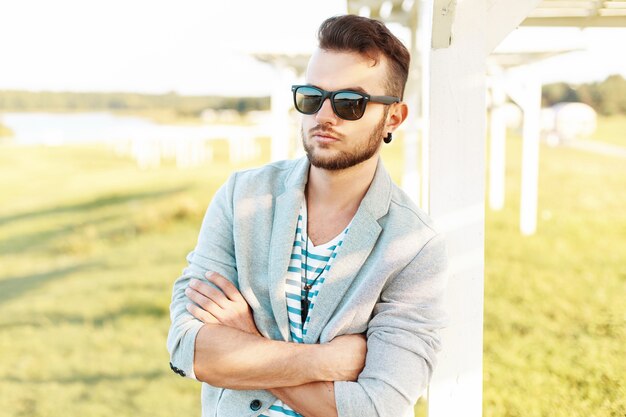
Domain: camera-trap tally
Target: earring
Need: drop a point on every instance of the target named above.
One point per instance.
(388, 138)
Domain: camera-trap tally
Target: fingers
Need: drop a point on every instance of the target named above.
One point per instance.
(225, 285)
(202, 315)
(209, 292)
(219, 301)
(205, 304)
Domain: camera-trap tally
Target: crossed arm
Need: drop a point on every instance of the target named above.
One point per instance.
(231, 353)
(402, 334)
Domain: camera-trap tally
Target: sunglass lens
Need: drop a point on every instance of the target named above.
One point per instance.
(308, 100)
(349, 106)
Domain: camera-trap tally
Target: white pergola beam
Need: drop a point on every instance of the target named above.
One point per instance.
(580, 22)
(578, 13)
(443, 17)
(503, 16)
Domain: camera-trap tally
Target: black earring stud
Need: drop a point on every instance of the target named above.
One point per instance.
(388, 138)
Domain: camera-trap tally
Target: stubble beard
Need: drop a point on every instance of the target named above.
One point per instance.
(345, 159)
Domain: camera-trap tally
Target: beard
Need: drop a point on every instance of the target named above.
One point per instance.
(344, 159)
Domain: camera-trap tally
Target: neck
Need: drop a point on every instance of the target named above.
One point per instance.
(343, 189)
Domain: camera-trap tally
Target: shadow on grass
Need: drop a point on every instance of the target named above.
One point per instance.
(91, 379)
(133, 311)
(38, 240)
(14, 287)
(104, 201)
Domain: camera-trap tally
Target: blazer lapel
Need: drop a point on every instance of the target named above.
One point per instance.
(357, 246)
(286, 210)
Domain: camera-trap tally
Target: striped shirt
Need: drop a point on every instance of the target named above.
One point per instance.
(308, 264)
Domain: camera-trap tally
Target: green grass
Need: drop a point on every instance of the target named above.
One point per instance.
(90, 246)
(611, 129)
(555, 317)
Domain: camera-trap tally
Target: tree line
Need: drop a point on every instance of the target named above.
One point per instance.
(186, 106)
(607, 97)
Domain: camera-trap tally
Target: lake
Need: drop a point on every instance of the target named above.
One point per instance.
(72, 128)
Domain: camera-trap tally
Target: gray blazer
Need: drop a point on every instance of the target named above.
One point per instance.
(388, 280)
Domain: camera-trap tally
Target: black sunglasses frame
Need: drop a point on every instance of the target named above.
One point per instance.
(331, 94)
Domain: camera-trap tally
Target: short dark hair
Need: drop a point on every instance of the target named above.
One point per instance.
(351, 33)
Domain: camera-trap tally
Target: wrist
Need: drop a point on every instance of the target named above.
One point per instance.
(325, 368)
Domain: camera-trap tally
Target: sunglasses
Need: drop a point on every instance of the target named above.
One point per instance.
(347, 104)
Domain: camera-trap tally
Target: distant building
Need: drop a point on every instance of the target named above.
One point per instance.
(567, 121)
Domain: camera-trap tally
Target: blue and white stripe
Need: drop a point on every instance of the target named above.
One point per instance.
(317, 260)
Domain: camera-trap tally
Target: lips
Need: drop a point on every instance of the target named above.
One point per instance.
(324, 135)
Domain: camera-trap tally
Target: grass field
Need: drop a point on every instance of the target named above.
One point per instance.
(90, 247)
(555, 316)
(611, 129)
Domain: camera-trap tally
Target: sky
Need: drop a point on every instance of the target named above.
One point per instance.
(204, 46)
(190, 46)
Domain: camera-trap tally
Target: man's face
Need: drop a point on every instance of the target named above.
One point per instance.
(329, 141)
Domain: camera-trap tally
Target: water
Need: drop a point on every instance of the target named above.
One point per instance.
(72, 128)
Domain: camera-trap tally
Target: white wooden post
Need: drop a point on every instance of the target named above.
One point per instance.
(411, 176)
(497, 142)
(530, 157)
(456, 202)
(526, 92)
(281, 104)
(465, 31)
(425, 40)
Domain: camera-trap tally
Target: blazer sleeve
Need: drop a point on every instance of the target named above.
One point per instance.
(402, 340)
(213, 252)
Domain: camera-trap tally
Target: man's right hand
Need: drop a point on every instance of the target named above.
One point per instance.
(346, 355)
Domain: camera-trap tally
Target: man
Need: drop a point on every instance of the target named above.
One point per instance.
(325, 281)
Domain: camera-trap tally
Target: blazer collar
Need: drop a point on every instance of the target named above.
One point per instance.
(378, 196)
(357, 246)
(298, 176)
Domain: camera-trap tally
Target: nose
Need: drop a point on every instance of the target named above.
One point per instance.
(326, 114)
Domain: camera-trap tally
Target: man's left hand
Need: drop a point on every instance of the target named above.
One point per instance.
(222, 305)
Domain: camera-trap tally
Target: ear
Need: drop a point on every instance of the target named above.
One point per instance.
(397, 114)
